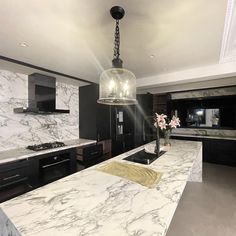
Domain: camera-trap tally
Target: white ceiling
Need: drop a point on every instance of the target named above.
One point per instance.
(75, 37)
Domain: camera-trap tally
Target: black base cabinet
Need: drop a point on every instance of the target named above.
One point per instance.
(14, 179)
(218, 151)
(18, 177)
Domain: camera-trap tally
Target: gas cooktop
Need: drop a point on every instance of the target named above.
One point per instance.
(44, 146)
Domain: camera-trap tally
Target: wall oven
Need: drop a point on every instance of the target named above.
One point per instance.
(55, 166)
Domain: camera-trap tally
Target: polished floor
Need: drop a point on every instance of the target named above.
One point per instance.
(208, 208)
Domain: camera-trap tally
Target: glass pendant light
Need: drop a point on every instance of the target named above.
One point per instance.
(117, 85)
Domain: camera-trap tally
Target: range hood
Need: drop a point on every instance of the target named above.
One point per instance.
(41, 95)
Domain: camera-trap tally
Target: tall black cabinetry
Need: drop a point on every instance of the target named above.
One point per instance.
(144, 119)
(122, 128)
(104, 122)
(94, 118)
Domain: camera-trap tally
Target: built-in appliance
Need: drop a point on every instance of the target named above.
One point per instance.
(44, 146)
(54, 167)
(41, 95)
(143, 157)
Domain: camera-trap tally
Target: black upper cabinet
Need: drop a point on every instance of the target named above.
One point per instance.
(225, 104)
(144, 119)
(94, 118)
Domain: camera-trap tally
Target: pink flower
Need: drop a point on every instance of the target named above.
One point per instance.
(161, 121)
(174, 122)
(160, 118)
(162, 125)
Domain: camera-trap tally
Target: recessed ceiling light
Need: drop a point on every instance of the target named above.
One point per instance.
(23, 44)
(152, 56)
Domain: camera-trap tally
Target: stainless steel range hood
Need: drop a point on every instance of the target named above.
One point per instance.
(41, 95)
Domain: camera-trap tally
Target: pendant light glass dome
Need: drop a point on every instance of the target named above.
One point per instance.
(117, 85)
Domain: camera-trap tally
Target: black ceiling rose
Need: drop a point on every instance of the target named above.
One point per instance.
(117, 12)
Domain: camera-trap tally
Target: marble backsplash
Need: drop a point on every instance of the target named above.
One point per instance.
(20, 130)
(204, 93)
(202, 131)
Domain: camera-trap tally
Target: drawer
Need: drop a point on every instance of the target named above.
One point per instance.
(11, 173)
(90, 152)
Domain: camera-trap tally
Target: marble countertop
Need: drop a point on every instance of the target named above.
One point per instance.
(94, 203)
(203, 136)
(23, 153)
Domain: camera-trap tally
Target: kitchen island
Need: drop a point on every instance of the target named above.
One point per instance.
(94, 203)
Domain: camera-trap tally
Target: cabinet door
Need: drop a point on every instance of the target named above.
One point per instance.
(14, 178)
(220, 151)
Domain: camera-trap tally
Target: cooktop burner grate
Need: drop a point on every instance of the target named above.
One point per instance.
(44, 146)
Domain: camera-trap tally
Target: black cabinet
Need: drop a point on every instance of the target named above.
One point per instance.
(14, 179)
(18, 177)
(104, 122)
(89, 155)
(144, 119)
(220, 151)
(225, 104)
(94, 120)
(161, 104)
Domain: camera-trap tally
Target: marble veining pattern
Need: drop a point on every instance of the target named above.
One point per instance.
(94, 203)
(201, 133)
(6, 226)
(20, 130)
(196, 173)
(205, 93)
(23, 153)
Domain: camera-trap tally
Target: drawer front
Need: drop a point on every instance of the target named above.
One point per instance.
(13, 173)
(92, 152)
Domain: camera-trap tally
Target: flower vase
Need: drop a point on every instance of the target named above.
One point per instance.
(157, 143)
(167, 138)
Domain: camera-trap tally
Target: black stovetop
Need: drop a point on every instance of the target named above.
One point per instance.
(44, 146)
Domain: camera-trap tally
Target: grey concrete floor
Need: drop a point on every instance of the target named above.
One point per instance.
(208, 208)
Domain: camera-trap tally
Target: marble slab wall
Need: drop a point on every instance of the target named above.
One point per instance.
(20, 130)
(210, 132)
(205, 93)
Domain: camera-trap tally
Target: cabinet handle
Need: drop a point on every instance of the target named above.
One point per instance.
(11, 177)
(93, 153)
(57, 163)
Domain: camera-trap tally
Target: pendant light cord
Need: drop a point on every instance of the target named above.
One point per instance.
(117, 41)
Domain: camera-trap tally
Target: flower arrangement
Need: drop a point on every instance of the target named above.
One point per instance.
(164, 123)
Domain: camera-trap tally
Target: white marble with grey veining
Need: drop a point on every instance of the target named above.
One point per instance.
(20, 130)
(23, 153)
(214, 92)
(6, 226)
(196, 173)
(94, 203)
(205, 133)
